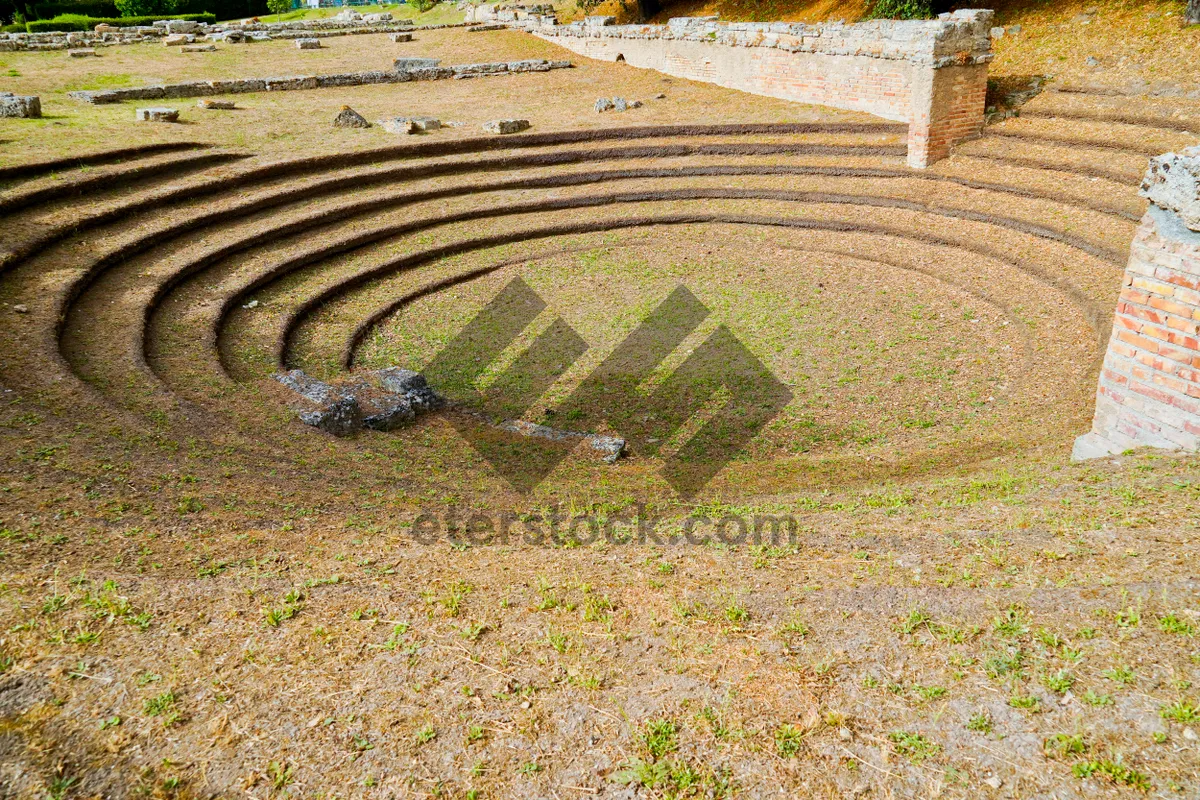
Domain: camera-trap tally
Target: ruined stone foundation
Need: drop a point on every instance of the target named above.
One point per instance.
(931, 74)
(1149, 393)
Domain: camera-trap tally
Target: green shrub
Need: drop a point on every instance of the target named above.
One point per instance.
(421, 6)
(14, 28)
(141, 8)
(77, 22)
(901, 9)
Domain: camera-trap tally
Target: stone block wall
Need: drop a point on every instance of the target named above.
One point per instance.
(931, 74)
(1149, 392)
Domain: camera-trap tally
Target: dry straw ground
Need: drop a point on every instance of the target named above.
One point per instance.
(200, 597)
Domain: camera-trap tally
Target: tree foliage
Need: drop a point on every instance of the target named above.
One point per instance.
(901, 9)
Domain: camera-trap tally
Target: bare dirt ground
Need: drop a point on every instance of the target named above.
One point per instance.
(202, 597)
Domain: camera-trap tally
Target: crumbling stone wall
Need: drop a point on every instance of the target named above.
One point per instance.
(230, 32)
(1149, 392)
(931, 74)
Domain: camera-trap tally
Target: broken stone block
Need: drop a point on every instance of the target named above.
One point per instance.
(215, 105)
(388, 399)
(176, 39)
(389, 412)
(342, 417)
(506, 126)
(198, 48)
(411, 385)
(408, 64)
(159, 114)
(20, 106)
(104, 27)
(182, 26)
(349, 118)
(610, 447)
(401, 125)
(1173, 182)
(619, 104)
(81, 52)
(307, 387)
(401, 37)
(602, 105)
(426, 123)
(308, 44)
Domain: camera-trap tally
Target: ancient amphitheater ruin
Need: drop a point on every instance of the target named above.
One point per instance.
(936, 557)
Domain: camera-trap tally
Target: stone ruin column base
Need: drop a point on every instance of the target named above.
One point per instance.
(1149, 393)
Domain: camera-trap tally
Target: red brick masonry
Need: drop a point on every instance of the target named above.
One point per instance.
(1149, 392)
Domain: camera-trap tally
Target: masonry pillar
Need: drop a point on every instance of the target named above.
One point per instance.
(1149, 393)
(947, 108)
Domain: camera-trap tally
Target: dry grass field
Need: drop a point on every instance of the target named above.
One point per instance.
(202, 597)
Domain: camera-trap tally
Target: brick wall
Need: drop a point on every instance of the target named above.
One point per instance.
(931, 74)
(1149, 388)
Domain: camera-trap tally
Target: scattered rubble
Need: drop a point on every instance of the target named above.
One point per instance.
(104, 35)
(616, 104)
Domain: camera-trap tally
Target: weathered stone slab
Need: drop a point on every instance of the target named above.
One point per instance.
(506, 126)
(413, 63)
(82, 52)
(308, 44)
(401, 37)
(176, 39)
(216, 105)
(198, 48)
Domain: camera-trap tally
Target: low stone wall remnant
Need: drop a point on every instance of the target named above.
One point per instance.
(1149, 392)
(931, 74)
(296, 82)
